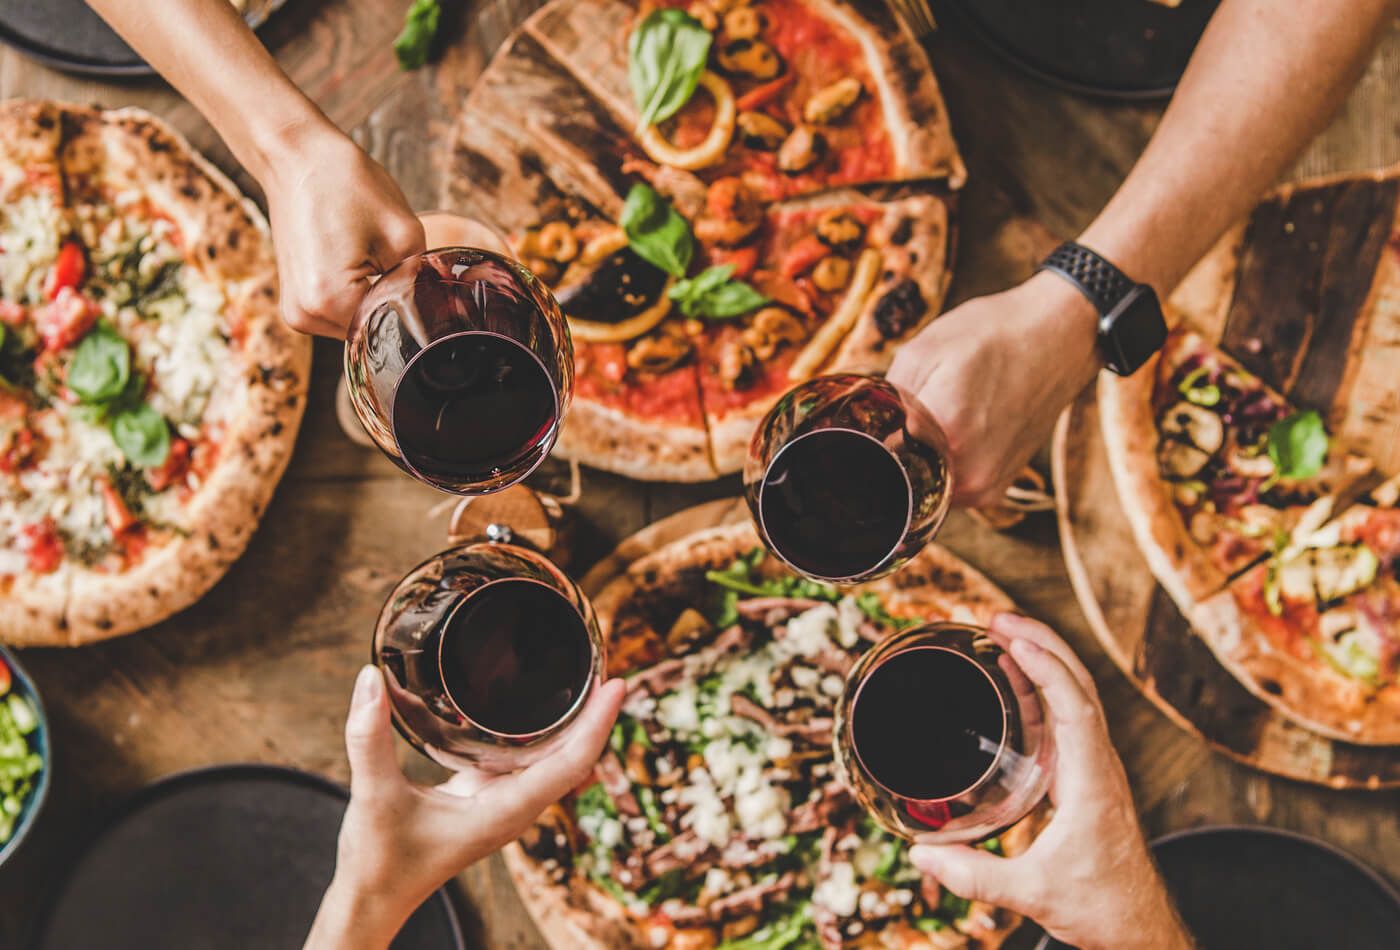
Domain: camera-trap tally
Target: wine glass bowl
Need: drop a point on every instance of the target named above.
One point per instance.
(847, 478)
(489, 652)
(939, 735)
(459, 365)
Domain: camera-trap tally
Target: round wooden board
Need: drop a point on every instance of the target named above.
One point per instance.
(1142, 630)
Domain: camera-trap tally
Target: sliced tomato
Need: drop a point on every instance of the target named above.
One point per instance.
(15, 450)
(760, 97)
(119, 516)
(744, 259)
(42, 545)
(803, 255)
(176, 464)
(12, 313)
(65, 320)
(69, 270)
(4, 678)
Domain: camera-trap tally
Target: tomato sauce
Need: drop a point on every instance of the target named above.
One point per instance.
(1285, 629)
(42, 546)
(602, 375)
(1380, 533)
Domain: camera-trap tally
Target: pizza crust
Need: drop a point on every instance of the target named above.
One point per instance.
(608, 438)
(1306, 692)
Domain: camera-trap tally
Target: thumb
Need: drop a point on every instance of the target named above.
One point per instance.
(971, 873)
(369, 738)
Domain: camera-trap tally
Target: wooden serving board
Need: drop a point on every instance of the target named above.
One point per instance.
(1305, 293)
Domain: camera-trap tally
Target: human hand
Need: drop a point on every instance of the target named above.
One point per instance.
(1088, 878)
(400, 841)
(996, 372)
(337, 220)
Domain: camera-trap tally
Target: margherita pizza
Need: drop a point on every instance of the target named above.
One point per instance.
(713, 250)
(715, 819)
(1231, 495)
(149, 392)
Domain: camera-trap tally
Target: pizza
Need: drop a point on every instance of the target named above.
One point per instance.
(1233, 496)
(149, 392)
(780, 210)
(714, 818)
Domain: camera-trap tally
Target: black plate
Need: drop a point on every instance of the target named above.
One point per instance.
(1126, 49)
(68, 35)
(1260, 887)
(234, 857)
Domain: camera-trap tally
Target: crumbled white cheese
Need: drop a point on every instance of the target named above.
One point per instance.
(837, 891)
(809, 633)
(832, 685)
(29, 229)
(678, 710)
(718, 880)
(869, 902)
(902, 897)
(778, 748)
(804, 677)
(849, 617)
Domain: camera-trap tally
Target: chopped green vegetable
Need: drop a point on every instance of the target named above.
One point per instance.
(781, 934)
(647, 798)
(143, 435)
(953, 905)
(889, 861)
(1351, 656)
(1206, 395)
(595, 800)
(666, 55)
(1298, 445)
(20, 764)
(656, 232)
(666, 886)
(420, 26)
(714, 295)
(992, 845)
(930, 925)
(101, 365)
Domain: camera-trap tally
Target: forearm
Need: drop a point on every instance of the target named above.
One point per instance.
(205, 50)
(351, 919)
(1263, 81)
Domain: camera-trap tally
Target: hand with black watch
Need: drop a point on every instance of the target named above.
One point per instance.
(1131, 327)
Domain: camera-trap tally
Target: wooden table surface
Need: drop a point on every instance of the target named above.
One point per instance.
(261, 669)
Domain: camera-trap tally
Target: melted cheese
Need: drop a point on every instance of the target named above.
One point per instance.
(29, 238)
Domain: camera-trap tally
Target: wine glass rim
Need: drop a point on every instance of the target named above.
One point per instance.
(408, 367)
(894, 548)
(1001, 700)
(583, 693)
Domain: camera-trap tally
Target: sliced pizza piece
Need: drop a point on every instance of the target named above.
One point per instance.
(636, 408)
(164, 391)
(1189, 441)
(1315, 630)
(797, 95)
(847, 278)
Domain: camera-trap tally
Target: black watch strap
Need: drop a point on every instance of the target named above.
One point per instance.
(1097, 279)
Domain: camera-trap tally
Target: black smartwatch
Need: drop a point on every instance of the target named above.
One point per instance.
(1131, 326)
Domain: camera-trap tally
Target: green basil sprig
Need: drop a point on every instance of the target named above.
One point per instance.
(666, 56)
(101, 366)
(656, 232)
(715, 295)
(1298, 445)
(142, 434)
(420, 26)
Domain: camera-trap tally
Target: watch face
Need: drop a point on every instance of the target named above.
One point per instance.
(1133, 330)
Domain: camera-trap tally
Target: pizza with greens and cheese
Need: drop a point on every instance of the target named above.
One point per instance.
(715, 820)
(149, 392)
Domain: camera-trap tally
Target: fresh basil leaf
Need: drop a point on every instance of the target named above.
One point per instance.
(101, 365)
(656, 232)
(666, 56)
(1298, 445)
(715, 295)
(419, 28)
(143, 436)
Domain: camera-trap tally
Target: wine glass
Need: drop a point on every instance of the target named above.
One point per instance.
(940, 735)
(459, 364)
(489, 652)
(847, 478)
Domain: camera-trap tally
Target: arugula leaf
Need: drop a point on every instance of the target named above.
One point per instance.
(656, 232)
(420, 26)
(953, 905)
(870, 605)
(889, 860)
(715, 295)
(930, 925)
(1298, 445)
(595, 800)
(666, 55)
(143, 435)
(778, 935)
(647, 799)
(101, 365)
(666, 886)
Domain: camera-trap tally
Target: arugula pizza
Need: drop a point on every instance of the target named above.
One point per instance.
(715, 820)
(149, 393)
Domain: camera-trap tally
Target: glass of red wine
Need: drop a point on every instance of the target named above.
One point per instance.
(489, 652)
(847, 478)
(459, 366)
(941, 736)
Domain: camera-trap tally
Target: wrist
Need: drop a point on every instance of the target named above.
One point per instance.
(273, 144)
(1064, 321)
(355, 917)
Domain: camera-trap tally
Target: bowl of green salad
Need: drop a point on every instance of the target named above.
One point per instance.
(24, 754)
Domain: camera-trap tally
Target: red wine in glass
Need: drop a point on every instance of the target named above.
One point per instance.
(460, 367)
(489, 652)
(847, 478)
(940, 735)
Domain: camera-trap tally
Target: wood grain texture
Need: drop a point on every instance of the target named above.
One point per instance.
(261, 668)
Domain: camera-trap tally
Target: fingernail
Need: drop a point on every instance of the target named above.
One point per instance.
(367, 686)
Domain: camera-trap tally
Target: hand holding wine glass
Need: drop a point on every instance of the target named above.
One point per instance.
(400, 841)
(1088, 877)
